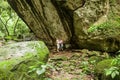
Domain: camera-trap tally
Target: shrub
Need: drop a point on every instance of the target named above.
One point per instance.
(114, 70)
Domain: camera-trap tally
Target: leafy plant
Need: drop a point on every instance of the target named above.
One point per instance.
(40, 69)
(116, 61)
(88, 67)
(10, 23)
(115, 69)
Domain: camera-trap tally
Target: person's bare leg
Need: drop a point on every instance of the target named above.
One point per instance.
(58, 47)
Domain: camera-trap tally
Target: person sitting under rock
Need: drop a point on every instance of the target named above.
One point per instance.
(59, 43)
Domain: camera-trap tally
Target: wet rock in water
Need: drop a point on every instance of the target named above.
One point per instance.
(16, 60)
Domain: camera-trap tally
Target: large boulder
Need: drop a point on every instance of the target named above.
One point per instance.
(70, 20)
(16, 60)
(97, 13)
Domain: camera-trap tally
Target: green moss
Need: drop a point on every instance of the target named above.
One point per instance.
(41, 50)
(17, 68)
(102, 65)
(8, 64)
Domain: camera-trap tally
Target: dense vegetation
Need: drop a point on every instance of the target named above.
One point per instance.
(11, 26)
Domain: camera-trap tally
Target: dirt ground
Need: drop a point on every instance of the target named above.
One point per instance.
(67, 66)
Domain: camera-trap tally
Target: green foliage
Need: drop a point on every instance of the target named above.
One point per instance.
(10, 23)
(116, 61)
(37, 68)
(87, 67)
(40, 69)
(114, 70)
(103, 26)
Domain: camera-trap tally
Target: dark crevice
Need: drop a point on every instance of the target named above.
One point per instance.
(30, 3)
(65, 17)
(42, 5)
(83, 3)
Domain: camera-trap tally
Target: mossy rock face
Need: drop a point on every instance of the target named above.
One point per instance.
(95, 28)
(74, 21)
(100, 70)
(15, 60)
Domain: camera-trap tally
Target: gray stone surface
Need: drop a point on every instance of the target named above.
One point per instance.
(70, 21)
